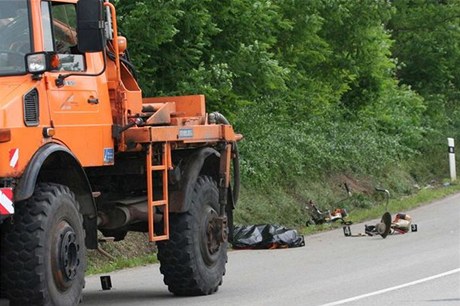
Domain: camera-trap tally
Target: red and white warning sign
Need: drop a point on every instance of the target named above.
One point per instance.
(6, 201)
(14, 158)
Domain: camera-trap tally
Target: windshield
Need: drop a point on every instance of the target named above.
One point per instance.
(15, 39)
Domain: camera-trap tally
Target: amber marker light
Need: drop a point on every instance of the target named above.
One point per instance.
(48, 132)
(55, 61)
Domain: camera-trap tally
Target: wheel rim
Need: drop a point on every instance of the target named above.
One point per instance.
(212, 233)
(66, 255)
(210, 244)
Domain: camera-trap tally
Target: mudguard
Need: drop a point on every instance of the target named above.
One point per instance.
(205, 161)
(57, 164)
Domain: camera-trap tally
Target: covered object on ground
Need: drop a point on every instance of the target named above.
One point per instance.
(266, 236)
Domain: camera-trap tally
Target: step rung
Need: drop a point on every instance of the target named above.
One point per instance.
(159, 203)
(158, 167)
(159, 238)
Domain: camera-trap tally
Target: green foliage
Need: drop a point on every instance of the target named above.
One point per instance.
(220, 49)
(316, 87)
(281, 152)
(428, 51)
(273, 206)
(428, 35)
(167, 39)
(359, 61)
(398, 114)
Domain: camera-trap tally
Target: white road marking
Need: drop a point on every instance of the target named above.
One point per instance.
(359, 297)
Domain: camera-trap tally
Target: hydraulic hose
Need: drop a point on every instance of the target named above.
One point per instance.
(216, 117)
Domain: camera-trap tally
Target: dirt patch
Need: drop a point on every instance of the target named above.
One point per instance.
(356, 185)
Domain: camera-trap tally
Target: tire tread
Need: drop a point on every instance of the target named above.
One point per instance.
(20, 247)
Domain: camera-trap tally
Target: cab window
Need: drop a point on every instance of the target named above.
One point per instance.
(60, 35)
(15, 40)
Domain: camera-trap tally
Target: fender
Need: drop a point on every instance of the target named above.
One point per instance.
(206, 161)
(56, 163)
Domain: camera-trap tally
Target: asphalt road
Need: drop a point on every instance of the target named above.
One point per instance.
(419, 268)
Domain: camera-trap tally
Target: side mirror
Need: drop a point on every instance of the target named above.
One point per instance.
(40, 62)
(90, 26)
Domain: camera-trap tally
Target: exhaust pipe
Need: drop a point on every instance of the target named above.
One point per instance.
(122, 215)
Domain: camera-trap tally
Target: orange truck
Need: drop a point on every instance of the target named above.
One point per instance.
(83, 156)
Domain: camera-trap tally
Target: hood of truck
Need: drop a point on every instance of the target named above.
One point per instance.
(6, 89)
(9, 86)
(12, 91)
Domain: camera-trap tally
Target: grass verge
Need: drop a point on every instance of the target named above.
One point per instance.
(122, 263)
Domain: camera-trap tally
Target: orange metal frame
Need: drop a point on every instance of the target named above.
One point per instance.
(163, 167)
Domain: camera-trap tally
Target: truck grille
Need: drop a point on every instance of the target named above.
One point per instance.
(31, 111)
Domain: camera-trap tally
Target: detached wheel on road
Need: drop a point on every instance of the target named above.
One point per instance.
(43, 251)
(193, 259)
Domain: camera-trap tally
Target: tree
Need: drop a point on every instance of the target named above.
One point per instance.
(427, 35)
(221, 49)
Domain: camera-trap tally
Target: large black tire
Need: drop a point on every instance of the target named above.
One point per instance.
(43, 253)
(192, 260)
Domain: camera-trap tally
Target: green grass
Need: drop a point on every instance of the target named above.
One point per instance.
(406, 203)
(121, 263)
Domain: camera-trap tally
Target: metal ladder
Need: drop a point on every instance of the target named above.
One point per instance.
(161, 167)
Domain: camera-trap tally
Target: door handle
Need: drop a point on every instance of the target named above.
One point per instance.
(93, 100)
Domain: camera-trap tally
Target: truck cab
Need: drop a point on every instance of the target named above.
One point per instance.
(51, 93)
(84, 154)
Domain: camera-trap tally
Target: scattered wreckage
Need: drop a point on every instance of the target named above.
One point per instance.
(401, 224)
(318, 216)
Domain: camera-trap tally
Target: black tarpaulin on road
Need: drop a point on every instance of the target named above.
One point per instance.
(266, 236)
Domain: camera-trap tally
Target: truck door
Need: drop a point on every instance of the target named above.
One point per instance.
(79, 106)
